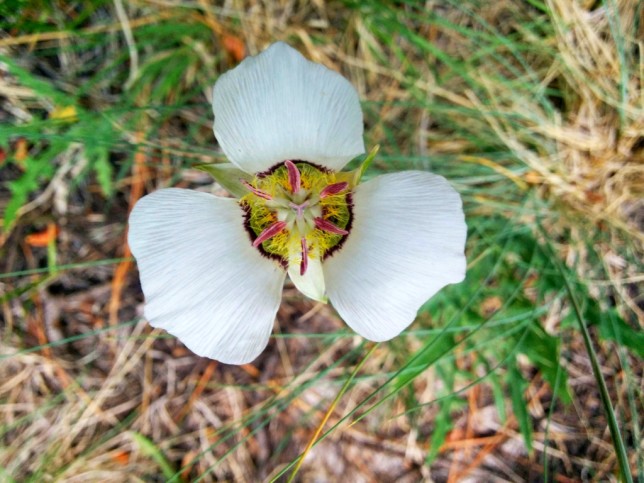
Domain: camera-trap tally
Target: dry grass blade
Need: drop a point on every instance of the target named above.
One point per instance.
(328, 413)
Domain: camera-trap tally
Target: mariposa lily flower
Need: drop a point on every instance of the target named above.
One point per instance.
(212, 268)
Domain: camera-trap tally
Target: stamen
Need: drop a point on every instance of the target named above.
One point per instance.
(294, 178)
(305, 257)
(334, 189)
(256, 192)
(269, 232)
(326, 225)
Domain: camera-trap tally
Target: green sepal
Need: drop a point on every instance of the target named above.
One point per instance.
(228, 176)
(357, 173)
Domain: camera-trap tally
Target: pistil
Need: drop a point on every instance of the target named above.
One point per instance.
(299, 208)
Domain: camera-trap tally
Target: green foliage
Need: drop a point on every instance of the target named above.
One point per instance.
(446, 404)
(517, 386)
(20, 189)
(150, 449)
(543, 351)
(56, 138)
(613, 327)
(98, 136)
(432, 351)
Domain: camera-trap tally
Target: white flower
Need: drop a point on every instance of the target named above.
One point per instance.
(212, 268)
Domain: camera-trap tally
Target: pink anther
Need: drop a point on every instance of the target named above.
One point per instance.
(294, 178)
(255, 191)
(326, 225)
(269, 232)
(334, 189)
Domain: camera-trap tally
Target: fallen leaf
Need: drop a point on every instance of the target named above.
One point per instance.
(22, 151)
(121, 457)
(491, 305)
(235, 47)
(43, 238)
(594, 197)
(186, 463)
(532, 177)
(67, 113)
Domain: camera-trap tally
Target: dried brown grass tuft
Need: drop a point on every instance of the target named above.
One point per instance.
(599, 139)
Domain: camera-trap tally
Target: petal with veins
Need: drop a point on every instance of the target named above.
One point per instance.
(278, 105)
(406, 242)
(202, 279)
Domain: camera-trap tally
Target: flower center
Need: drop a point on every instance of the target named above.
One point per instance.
(297, 211)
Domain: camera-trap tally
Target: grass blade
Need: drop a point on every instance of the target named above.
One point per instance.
(618, 442)
(329, 412)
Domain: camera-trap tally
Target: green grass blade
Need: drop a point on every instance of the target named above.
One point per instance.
(613, 425)
(150, 449)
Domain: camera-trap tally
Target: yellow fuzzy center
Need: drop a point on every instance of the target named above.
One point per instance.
(297, 210)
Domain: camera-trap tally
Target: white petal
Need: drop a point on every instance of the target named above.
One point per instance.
(203, 281)
(278, 106)
(311, 283)
(406, 242)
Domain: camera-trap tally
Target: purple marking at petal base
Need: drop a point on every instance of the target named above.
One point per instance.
(326, 225)
(294, 178)
(269, 232)
(334, 189)
(257, 192)
(305, 257)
